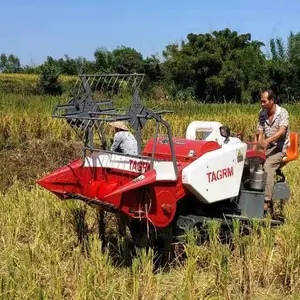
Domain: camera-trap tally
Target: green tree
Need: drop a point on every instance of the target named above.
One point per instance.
(49, 73)
(217, 66)
(9, 64)
(284, 67)
(103, 61)
(294, 65)
(151, 66)
(69, 66)
(127, 60)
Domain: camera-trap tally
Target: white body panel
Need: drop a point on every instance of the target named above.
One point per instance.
(164, 169)
(211, 132)
(216, 175)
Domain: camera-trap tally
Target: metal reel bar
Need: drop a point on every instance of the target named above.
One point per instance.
(111, 82)
(84, 114)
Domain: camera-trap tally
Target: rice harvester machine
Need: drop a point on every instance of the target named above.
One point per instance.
(173, 182)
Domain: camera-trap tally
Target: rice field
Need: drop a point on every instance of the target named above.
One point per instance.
(27, 84)
(29, 117)
(40, 253)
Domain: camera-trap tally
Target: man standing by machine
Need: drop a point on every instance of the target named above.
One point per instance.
(273, 136)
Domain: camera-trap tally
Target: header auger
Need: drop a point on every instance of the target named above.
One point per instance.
(173, 184)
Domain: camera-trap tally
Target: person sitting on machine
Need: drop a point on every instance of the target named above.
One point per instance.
(273, 136)
(124, 141)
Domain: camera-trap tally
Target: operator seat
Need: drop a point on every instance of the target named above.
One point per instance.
(292, 150)
(292, 154)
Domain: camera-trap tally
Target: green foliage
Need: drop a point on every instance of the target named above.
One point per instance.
(127, 60)
(49, 83)
(70, 66)
(9, 64)
(284, 67)
(151, 67)
(103, 61)
(220, 66)
(217, 66)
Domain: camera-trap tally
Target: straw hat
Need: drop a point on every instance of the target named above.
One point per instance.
(120, 125)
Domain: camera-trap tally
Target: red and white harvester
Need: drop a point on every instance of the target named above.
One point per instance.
(176, 183)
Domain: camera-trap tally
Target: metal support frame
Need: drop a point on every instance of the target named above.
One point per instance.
(85, 115)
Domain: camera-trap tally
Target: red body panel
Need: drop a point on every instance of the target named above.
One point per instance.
(138, 196)
(256, 154)
(183, 148)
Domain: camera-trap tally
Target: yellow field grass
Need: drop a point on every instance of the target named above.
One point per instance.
(28, 83)
(41, 258)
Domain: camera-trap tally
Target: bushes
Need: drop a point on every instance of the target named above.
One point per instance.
(49, 83)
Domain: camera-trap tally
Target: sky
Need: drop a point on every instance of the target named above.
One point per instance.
(35, 29)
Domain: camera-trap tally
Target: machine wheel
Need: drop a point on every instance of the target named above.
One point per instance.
(138, 231)
(160, 239)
